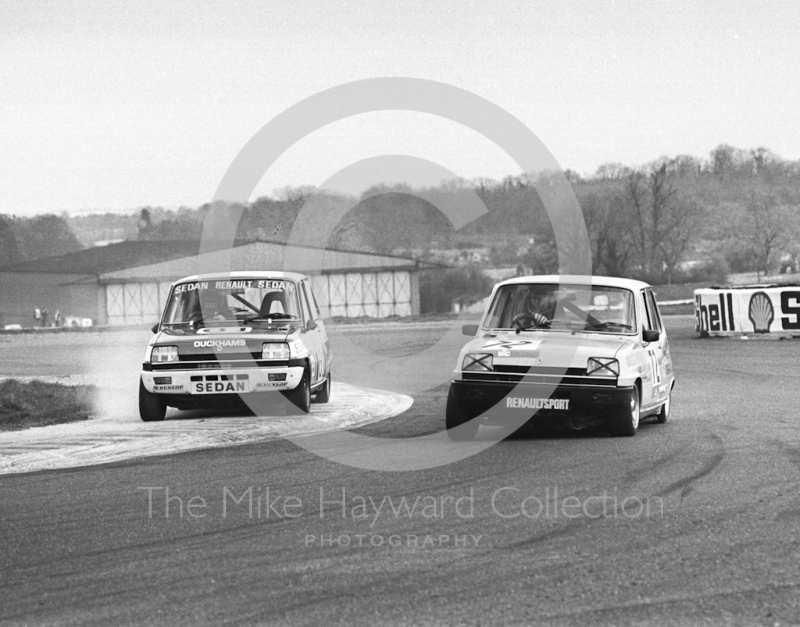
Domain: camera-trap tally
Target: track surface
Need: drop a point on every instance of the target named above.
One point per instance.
(79, 547)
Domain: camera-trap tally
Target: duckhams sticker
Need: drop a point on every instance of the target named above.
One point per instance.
(219, 345)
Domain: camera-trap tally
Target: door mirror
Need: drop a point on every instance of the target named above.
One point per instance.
(154, 328)
(648, 335)
(469, 329)
(311, 325)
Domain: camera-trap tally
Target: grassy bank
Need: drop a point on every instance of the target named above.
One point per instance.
(37, 404)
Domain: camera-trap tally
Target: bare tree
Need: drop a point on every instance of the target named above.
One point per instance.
(660, 223)
(766, 228)
(605, 223)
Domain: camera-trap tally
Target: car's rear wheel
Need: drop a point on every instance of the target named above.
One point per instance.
(626, 423)
(663, 415)
(323, 395)
(459, 422)
(152, 408)
(298, 400)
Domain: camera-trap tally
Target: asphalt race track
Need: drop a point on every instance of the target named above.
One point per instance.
(695, 521)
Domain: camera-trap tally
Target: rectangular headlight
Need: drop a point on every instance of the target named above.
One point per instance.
(163, 354)
(602, 367)
(275, 350)
(480, 362)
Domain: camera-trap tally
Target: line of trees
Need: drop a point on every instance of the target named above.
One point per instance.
(26, 239)
(671, 220)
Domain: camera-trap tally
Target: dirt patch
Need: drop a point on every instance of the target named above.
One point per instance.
(37, 404)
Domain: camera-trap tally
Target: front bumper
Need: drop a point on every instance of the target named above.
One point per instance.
(506, 400)
(203, 383)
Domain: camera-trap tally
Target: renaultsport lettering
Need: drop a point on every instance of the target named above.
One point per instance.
(538, 403)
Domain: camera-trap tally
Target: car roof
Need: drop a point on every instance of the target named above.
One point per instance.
(244, 274)
(576, 279)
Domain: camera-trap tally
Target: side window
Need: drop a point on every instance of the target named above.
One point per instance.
(655, 317)
(304, 303)
(311, 301)
(648, 316)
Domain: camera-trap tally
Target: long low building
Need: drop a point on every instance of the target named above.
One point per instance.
(128, 283)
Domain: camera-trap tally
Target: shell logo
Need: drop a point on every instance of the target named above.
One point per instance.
(761, 312)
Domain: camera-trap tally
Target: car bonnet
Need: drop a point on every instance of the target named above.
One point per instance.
(551, 349)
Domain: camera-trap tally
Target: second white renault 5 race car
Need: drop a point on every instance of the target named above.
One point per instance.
(237, 338)
(565, 349)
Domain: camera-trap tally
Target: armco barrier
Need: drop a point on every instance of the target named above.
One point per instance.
(768, 310)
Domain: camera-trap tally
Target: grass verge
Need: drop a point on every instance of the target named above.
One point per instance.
(37, 404)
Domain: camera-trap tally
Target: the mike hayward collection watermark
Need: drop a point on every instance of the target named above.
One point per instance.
(396, 540)
(306, 246)
(340, 504)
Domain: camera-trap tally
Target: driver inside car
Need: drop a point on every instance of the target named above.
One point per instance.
(540, 306)
(212, 306)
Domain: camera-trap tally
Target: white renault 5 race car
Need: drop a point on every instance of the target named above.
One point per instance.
(563, 349)
(233, 339)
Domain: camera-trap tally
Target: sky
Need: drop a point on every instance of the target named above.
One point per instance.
(117, 105)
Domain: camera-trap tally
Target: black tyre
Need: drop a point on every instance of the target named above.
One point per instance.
(663, 415)
(298, 400)
(323, 395)
(459, 422)
(152, 407)
(626, 423)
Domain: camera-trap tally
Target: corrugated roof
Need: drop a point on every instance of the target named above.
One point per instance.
(263, 256)
(102, 259)
(147, 259)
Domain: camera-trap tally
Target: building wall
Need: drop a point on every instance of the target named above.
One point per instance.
(372, 294)
(134, 302)
(72, 294)
(347, 285)
(347, 295)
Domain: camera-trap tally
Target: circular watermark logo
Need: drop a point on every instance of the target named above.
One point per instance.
(306, 245)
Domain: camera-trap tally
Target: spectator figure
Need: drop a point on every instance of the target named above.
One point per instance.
(44, 317)
(37, 315)
(57, 319)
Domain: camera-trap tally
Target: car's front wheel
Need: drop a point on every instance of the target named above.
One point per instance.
(298, 400)
(323, 395)
(459, 422)
(626, 423)
(152, 407)
(663, 415)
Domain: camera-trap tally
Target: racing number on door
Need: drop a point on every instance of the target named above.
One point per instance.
(654, 367)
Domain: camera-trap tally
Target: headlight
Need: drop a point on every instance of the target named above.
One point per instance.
(480, 362)
(163, 354)
(602, 367)
(275, 350)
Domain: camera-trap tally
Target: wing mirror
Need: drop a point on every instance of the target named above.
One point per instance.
(154, 328)
(469, 329)
(649, 335)
(311, 325)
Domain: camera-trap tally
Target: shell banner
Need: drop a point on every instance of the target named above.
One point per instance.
(769, 310)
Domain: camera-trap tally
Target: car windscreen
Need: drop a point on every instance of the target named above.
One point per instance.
(231, 300)
(556, 306)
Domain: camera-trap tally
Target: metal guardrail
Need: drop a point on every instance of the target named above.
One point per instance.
(667, 303)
